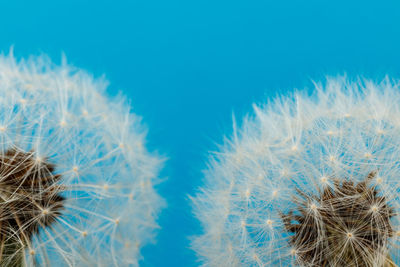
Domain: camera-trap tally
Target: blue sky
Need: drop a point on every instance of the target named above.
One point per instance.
(188, 65)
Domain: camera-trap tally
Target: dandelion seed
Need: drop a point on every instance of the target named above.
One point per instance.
(313, 207)
(350, 235)
(75, 169)
(380, 131)
(274, 193)
(63, 123)
(248, 193)
(349, 216)
(293, 252)
(368, 155)
(56, 124)
(374, 208)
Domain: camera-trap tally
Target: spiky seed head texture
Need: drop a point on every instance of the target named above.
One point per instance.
(76, 182)
(308, 180)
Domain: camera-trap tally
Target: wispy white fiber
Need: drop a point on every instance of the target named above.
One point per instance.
(62, 114)
(346, 129)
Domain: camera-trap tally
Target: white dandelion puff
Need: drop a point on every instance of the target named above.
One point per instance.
(76, 183)
(308, 181)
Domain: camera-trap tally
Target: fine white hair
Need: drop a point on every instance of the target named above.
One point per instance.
(97, 146)
(299, 143)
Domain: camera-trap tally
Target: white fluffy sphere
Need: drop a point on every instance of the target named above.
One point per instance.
(308, 180)
(76, 182)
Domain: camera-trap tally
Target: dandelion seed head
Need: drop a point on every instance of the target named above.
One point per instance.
(334, 202)
(71, 189)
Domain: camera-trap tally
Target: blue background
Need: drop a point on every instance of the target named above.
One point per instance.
(188, 65)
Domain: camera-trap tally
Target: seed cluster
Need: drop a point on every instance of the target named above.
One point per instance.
(347, 224)
(29, 200)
